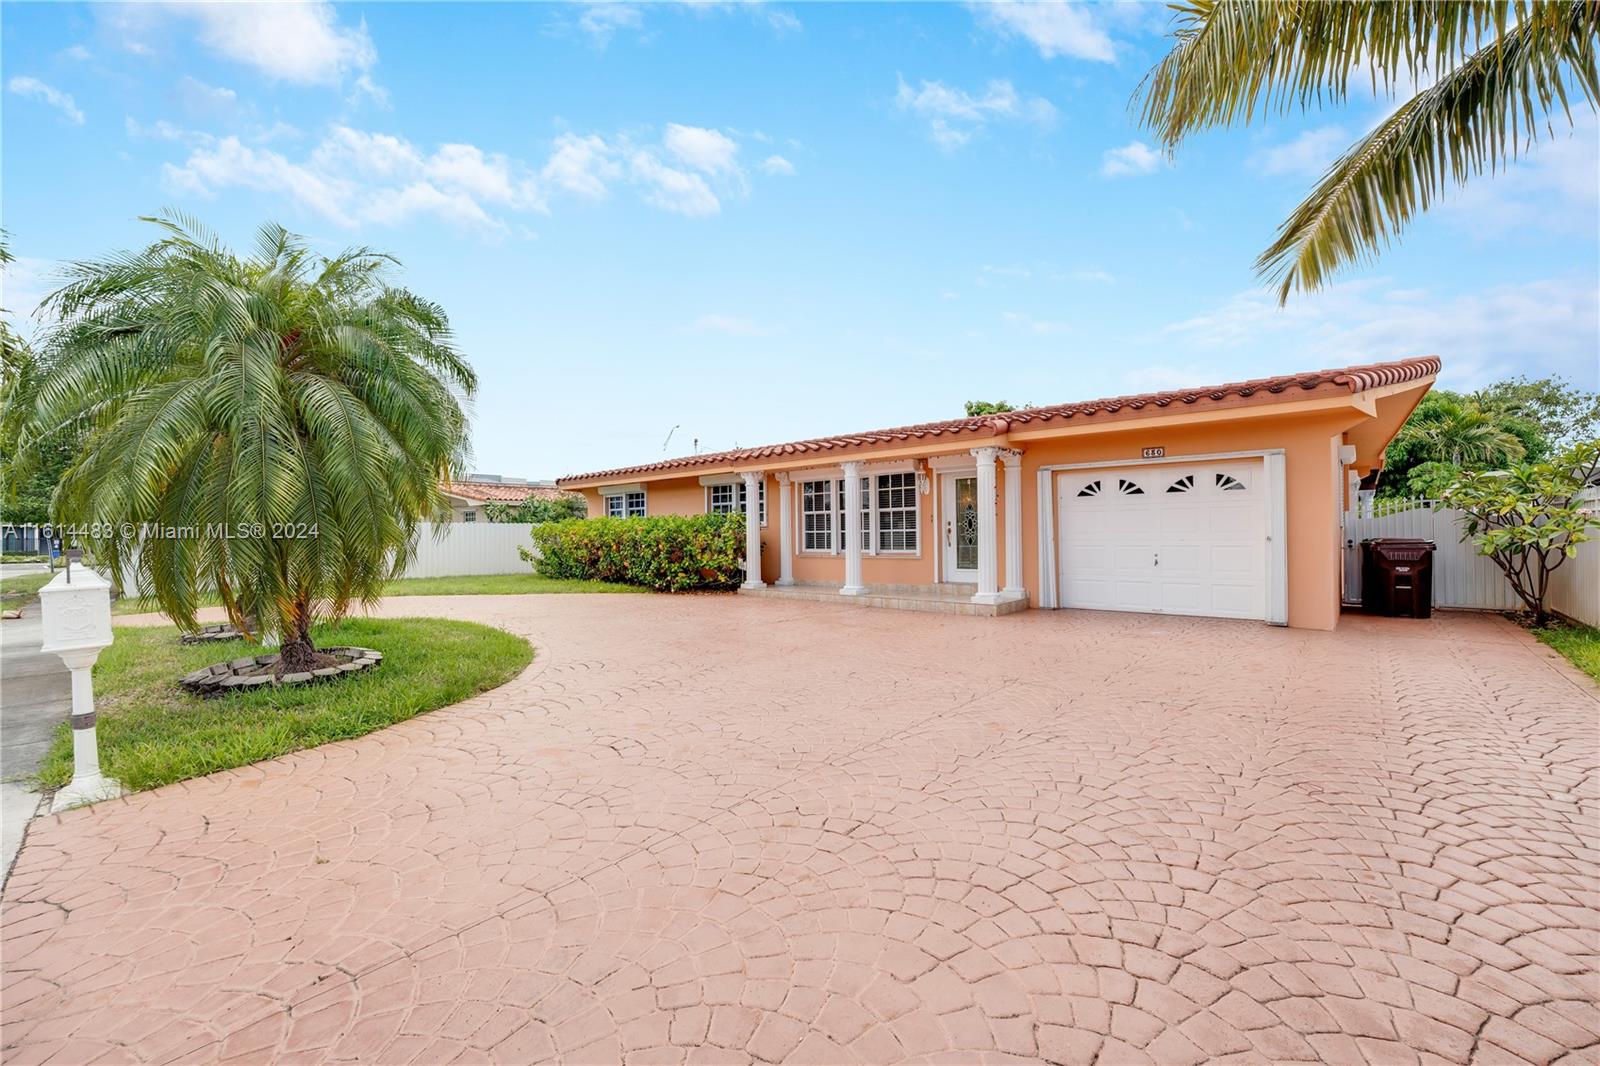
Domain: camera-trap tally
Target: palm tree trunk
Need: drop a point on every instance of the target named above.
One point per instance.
(298, 654)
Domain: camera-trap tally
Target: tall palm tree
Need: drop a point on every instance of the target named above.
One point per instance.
(277, 424)
(1501, 69)
(1457, 431)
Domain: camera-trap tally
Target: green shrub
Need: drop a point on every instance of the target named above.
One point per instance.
(672, 553)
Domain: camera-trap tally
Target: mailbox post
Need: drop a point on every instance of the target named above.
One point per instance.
(76, 611)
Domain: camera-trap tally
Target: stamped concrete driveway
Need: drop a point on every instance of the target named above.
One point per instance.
(726, 830)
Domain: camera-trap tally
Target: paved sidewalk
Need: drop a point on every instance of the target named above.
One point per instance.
(35, 698)
(732, 830)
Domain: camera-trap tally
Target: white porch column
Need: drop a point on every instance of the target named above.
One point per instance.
(752, 529)
(852, 531)
(988, 558)
(785, 533)
(1013, 462)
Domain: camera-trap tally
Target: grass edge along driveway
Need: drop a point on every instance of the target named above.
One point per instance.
(153, 733)
(521, 584)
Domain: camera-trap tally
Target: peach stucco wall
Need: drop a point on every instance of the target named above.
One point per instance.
(1314, 484)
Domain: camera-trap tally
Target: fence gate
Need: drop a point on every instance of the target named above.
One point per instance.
(1461, 577)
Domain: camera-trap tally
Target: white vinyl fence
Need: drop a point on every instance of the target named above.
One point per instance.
(1462, 577)
(455, 549)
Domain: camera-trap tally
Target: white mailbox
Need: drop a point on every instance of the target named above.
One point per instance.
(77, 625)
(76, 615)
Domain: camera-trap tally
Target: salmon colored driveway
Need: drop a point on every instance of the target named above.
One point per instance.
(730, 830)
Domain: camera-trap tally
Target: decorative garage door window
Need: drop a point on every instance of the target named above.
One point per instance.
(1182, 538)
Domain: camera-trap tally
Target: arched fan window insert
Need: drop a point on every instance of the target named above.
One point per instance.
(1183, 484)
(1128, 488)
(1091, 489)
(1229, 483)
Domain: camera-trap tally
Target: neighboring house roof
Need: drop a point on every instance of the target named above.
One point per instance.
(1348, 380)
(497, 492)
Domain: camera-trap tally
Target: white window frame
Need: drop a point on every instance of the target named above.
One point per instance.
(914, 487)
(800, 488)
(620, 501)
(469, 516)
(738, 494)
(869, 511)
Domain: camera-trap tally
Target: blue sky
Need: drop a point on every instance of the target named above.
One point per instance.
(756, 223)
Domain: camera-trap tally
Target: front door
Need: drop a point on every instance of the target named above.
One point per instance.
(960, 501)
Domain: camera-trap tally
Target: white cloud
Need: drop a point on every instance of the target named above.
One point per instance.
(1055, 29)
(1308, 155)
(601, 20)
(1041, 327)
(76, 52)
(955, 115)
(303, 43)
(1552, 188)
(728, 324)
(583, 166)
(777, 166)
(199, 100)
(671, 189)
(34, 89)
(706, 150)
(1547, 326)
(23, 284)
(1091, 275)
(1133, 158)
(352, 176)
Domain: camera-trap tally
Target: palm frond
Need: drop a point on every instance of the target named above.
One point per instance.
(1478, 117)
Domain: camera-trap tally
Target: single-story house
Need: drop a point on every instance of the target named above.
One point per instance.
(1223, 500)
(468, 495)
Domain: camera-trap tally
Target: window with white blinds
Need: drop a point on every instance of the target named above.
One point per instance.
(890, 515)
(816, 516)
(727, 499)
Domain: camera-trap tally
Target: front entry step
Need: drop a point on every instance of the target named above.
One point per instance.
(931, 599)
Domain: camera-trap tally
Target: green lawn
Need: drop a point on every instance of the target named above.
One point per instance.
(482, 585)
(498, 585)
(19, 587)
(1581, 644)
(153, 733)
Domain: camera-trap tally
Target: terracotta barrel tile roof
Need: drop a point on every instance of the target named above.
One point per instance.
(496, 492)
(1351, 379)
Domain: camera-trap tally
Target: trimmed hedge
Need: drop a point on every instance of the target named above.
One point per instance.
(672, 553)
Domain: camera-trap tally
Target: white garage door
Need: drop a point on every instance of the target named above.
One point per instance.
(1180, 539)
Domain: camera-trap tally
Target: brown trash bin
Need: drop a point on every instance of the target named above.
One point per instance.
(1397, 577)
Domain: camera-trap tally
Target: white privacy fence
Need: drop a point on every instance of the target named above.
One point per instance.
(456, 549)
(1462, 577)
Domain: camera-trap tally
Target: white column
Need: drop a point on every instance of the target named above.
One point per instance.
(785, 533)
(988, 558)
(1013, 463)
(852, 531)
(752, 529)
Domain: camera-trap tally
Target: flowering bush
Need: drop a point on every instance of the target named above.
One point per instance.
(671, 553)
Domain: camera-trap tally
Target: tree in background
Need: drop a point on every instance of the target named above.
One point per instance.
(1563, 413)
(1500, 72)
(28, 475)
(1505, 423)
(1530, 519)
(987, 407)
(295, 413)
(538, 510)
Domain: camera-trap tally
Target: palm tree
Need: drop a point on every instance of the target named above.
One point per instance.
(1502, 68)
(273, 427)
(1457, 431)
